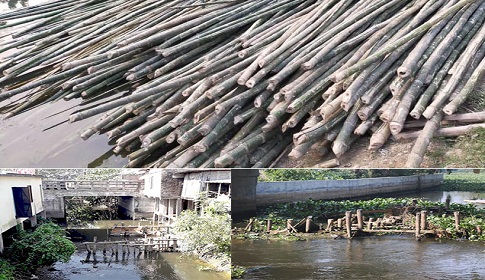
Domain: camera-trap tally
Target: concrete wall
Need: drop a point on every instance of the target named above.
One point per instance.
(54, 206)
(160, 183)
(243, 199)
(7, 211)
(275, 192)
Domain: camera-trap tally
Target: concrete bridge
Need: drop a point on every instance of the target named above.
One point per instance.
(132, 201)
(93, 188)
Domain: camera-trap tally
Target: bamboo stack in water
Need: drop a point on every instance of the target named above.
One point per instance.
(238, 83)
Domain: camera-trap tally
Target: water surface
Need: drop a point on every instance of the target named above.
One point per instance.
(385, 257)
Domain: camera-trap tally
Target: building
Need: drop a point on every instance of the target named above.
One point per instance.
(21, 198)
(178, 190)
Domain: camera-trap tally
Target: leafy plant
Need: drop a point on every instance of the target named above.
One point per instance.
(274, 175)
(45, 246)
(464, 181)
(206, 234)
(6, 270)
(237, 271)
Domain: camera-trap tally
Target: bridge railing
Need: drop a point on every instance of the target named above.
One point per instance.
(127, 186)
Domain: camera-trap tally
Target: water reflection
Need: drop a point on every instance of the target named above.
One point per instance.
(13, 4)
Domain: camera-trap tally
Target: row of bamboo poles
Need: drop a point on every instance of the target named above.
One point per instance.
(353, 224)
(190, 83)
(147, 246)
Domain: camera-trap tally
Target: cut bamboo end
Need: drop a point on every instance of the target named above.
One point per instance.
(395, 127)
(88, 133)
(345, 106)
(403, 72)
(415, 114)
(339, 148)
(450, 109)
(329, 163)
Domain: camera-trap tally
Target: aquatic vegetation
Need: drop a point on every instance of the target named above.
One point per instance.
(461, 181)
(237, 271)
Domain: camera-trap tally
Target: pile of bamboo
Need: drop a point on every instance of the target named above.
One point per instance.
(238, 83)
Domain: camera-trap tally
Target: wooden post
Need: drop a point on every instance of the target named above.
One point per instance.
(369, 224)
(360, 219)
(457, 220)
(268, 225)
(339, 223)
(378, 222)
(348, 223)
(94, 246)
(289, 224)
(249, 227)
(330, 225)
(308, 223)
(418, 225)
(424, 214)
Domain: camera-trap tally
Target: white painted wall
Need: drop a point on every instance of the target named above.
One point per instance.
(153, 184)
(7, 213)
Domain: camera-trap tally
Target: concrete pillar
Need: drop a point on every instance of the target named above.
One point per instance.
(243, 196)
(1, 242)
(170, 208)
(163, 206)
(33, 221)
(134, 208)
(178, 208)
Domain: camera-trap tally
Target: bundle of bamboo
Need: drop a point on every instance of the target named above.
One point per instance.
(190, 83)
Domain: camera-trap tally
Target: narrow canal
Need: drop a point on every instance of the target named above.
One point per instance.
(158, 266)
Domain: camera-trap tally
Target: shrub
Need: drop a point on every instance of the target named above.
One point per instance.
(6, 270)
(45, 246)
(208, 234)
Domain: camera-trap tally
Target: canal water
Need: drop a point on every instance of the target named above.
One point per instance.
(384, 257)
(163, 266)
(456, 196)
(376, 257)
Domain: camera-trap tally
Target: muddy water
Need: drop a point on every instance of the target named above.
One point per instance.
(385, 257)
(164, 266)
